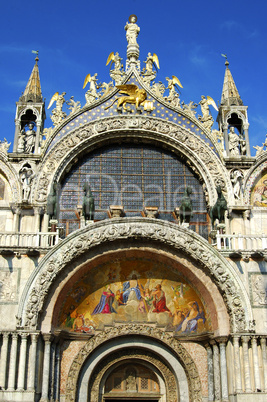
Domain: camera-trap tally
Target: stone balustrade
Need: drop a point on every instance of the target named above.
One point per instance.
(241, 242)
(39, 239)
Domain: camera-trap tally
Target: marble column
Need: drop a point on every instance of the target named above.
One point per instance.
(210, 373)
(32, 362)
(216, 371)
(45, 223)
(225, 134)
(264, 361)
(256, 364)
(246, 126)
(16, 219)
(237, 366)
(57, 372)
(46, 368)
(12, 362)
(245, 340)
(223, 367)
(22, 361)
(37, 215)
(3, 360)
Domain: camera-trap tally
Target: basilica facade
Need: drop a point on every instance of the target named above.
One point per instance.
(133, 243)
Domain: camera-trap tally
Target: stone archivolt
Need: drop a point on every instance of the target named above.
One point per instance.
(200, 158)
(191, 244)
(140, 330)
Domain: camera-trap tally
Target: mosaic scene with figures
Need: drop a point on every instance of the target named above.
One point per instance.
(259, 193)
(133, 290)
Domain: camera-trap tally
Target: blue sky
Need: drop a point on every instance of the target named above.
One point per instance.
(75, 38)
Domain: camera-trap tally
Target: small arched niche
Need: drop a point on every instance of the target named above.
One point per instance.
(136, 379)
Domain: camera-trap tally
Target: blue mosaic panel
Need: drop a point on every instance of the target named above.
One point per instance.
(153, 177)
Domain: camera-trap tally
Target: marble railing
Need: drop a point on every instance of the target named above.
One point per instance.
(40, 239)
(241, 242)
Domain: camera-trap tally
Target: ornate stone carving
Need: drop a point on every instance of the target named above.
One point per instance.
(57, 114)
(190, 108)
(4, 146)
(134, 228)
(74, 106)
(143, 330)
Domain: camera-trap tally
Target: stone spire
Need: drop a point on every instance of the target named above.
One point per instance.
(33, 91)
(230, 95)
(233, 118)
(30, 115)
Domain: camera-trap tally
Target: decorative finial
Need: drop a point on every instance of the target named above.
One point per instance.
(226, 61)
(36, 52)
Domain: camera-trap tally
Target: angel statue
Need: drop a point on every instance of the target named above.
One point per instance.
(148, 73)
(132, 30)
(172, 84)
(116, 59)
(91, 95)
(57, 114)
(116, 74)
(206, 117)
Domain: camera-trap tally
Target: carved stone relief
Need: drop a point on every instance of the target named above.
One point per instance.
(134, 228)
(259, 289)
(135, 329)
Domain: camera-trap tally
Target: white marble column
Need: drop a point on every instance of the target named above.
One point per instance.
(256, 364)
(264, 361)
(245, 340)
(237, 366)
(3, 360)
(12, 362)
(210, 373)
(45, 223)
(16, 219)
(32, 362)
(216, 370)
(37, 218)
(22, 361)
(46, 367)
(223, 367)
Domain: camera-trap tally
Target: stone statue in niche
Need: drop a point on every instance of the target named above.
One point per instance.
(26, 177)
(236, 177)
(88, 203)
(186, 206)
(52, 202)
(234, 143)
(26, 141)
